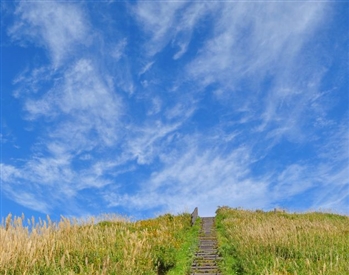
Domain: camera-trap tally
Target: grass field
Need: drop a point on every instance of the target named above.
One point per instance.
(250, 242)
(282, 243)
(164, 245)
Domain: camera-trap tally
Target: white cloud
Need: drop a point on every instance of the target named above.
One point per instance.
(146, 143)
(156, 106)
(158, 19)
(11, 183)
(333, 199)
(336, 148)
(256, 56)
(146, 68)
(333, 171)
(82, 113)
(248, 43)
(119, 49)
(84, 103)
(183, 109)
(199, 171)
(332, 188)
(170, 22)
(251, 41)
(293, 180)
(192, 175)
(54, 25)
(187, 23)
(253, 58)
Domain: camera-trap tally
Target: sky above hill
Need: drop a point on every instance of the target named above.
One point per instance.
(146, 107)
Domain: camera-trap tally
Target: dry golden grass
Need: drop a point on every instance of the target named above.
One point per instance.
(282, 243)
(116, 246)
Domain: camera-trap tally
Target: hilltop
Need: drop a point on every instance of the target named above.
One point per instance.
(249, 242)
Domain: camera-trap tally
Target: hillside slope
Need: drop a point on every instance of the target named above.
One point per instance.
(282, 243)
(163, 245)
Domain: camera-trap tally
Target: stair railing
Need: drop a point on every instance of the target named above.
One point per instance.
(194, 216)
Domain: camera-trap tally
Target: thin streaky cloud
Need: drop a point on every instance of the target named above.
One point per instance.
(55, 25)
(137, 107)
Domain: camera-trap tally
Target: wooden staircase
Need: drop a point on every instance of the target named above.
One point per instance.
(205, 262)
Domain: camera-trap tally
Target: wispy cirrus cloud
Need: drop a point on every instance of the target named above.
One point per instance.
(85, 105)
(193, 177)
(54, 25)
(199, 175)
(253, 46)
(76, 104)
(256, 64)
(205, 104)
(170, 23)
(161, 31)
(83, 115)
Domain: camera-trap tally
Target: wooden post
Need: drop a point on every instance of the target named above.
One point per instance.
(194, 216)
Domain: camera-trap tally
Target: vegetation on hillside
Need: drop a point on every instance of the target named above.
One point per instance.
(282, 243)
(250, 243)
(164, 245)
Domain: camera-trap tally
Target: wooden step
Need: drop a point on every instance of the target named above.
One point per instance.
(206, 258)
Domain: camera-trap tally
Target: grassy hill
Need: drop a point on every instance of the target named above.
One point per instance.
(282, 243)
(250, 242)
(164, 245)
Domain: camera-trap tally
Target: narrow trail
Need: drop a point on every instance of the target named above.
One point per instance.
(205, 262)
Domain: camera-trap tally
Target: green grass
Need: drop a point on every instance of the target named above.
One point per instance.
(185, 255)
(164, 245)
(282, 243)
(250, 243)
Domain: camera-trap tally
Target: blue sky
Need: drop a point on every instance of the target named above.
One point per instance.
(146, 107)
